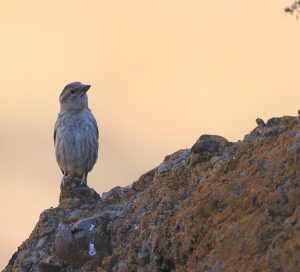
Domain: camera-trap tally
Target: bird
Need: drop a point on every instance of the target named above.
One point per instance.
(76, 134)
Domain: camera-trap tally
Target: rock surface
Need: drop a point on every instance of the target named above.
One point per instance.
(218, 206)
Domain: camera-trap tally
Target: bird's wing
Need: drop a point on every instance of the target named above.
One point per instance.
(95, 125)
(55, 131)
(54, 139)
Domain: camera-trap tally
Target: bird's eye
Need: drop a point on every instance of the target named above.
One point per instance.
(72, 92)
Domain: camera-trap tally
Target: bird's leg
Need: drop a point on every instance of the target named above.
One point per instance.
(84, 180)
(63, 180)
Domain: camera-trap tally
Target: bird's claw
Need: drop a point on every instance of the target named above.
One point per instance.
(63, 181)
(83, 181)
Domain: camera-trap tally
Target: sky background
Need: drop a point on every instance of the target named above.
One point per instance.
(163, 72)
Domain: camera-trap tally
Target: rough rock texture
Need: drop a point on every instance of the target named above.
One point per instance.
(218, 206)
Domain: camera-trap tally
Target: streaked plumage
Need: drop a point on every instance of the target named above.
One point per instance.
(76, 133)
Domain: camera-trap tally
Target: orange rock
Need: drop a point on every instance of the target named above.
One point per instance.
(218, 206)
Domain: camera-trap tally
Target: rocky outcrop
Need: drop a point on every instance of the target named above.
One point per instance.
(219, 206)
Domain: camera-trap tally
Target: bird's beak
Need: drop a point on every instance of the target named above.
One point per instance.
(85, 88)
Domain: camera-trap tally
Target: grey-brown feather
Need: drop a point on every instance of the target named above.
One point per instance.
(76, 142)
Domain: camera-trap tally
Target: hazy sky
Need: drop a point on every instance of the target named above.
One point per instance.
(163, 72)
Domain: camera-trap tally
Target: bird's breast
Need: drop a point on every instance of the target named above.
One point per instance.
(76, 143)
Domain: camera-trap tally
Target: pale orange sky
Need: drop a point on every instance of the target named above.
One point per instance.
(163, 72)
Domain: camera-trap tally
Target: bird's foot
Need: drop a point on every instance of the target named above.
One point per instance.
(83, 181)
(63, 181)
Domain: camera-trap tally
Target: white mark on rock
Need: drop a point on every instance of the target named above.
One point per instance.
(92, 227)
(92, 250)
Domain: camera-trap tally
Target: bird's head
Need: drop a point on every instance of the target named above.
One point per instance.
(74, 97)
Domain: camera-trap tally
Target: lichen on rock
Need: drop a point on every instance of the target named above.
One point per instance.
(219, 206)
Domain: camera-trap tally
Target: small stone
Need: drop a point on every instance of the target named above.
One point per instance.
(208, 146)
(205, 146)
(260, 122)
(82, 225)
(275, 121)
(41, 242)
